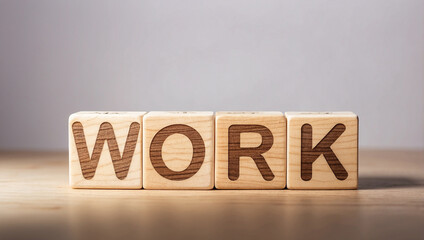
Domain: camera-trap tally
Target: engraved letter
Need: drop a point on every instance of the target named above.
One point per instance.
(235, 151)
(120, 164)
(309, 154)
(198, 152)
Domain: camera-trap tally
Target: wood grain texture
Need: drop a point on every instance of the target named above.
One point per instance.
(310, 154)
(322, 150)
(198, 152)
(235, 151)
(36, 202)
(250, 150)
(92, 163)
(178, 150)
(89, 164)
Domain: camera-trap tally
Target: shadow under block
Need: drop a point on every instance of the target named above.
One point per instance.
(105, 150)
(322, 150)
(250, 150)
(178, 150)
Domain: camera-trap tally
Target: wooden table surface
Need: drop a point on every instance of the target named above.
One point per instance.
(36, 203)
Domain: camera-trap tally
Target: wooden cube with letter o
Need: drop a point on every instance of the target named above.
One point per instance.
(178, 150)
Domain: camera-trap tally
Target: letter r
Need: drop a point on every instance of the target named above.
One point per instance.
(235, 151)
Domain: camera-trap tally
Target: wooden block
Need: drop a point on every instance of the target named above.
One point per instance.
(105, 150)
(250, 150)
(178, 150)
(322, 150)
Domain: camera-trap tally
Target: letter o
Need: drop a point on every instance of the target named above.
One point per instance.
(156, 152)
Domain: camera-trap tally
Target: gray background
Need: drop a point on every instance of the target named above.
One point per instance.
(59, 57)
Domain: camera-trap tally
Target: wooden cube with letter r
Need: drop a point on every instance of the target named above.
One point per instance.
(178, 150)
(250, 150)
(322, 150)
(105, 150)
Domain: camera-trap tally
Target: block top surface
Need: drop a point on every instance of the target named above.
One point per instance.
(179, 113)
(110, 113)
(249, 113)
(104, 114)
(319, 114)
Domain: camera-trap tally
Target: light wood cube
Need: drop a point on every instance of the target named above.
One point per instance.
(322, 150)
(105, 150)
(178, 150)
(250, 150)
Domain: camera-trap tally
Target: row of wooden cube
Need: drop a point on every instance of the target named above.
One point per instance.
(203, 150)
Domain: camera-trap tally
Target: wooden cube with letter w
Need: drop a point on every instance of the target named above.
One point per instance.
(105, 150)
(322, 150)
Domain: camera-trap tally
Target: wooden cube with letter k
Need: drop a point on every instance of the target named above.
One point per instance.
(322, 150)
(105, 150)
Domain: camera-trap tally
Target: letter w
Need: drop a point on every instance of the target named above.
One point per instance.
(106, 133)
